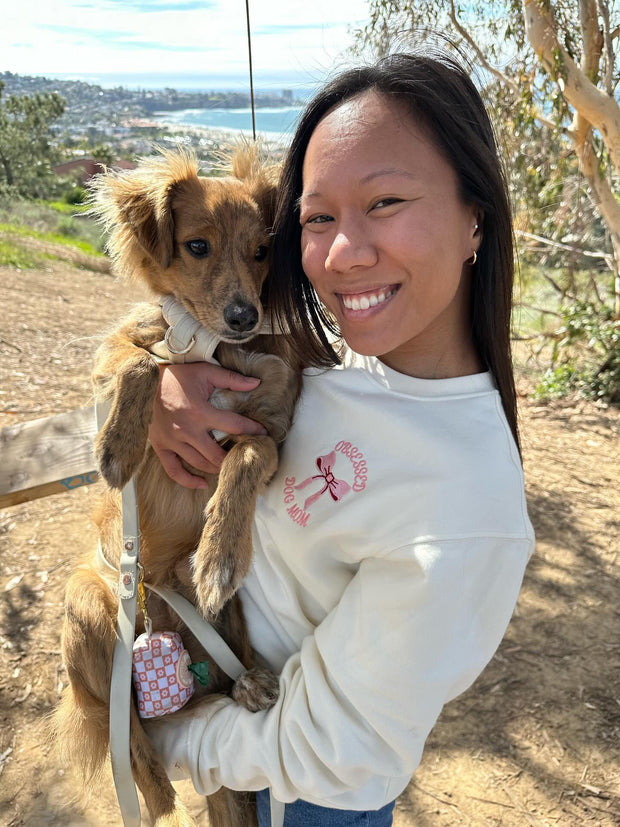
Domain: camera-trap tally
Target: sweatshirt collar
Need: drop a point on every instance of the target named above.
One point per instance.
(413, 386)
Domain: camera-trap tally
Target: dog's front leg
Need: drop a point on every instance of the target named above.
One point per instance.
(127, 375)
(223, 556)
(121, 442)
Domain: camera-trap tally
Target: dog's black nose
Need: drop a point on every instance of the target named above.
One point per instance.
(241, 316)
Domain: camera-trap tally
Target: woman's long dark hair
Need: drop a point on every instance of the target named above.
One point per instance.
(441, 97)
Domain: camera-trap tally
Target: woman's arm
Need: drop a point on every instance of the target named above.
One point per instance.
(183, 419)
(411, 631)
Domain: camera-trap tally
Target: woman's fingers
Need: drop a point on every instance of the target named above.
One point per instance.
(183, 419)
(173, 466)
(227, 379)
(231, 423)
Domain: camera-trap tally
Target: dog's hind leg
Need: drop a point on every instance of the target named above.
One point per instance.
(224, 552)
(163, 803)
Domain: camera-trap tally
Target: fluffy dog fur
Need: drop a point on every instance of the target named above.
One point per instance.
(204, 240)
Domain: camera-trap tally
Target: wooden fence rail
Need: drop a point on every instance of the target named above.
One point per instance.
(47, 456)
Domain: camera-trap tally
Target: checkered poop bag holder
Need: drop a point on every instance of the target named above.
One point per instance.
(162, 671)
(161, 675)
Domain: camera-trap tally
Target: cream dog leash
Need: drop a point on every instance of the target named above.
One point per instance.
(186, 340)
(120, 683)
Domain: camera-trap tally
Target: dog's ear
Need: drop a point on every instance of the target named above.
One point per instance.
(265, 193)
(249, 164)
(148, 213)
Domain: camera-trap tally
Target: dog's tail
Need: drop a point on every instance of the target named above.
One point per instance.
(81, 720)
(78, 730)
(227, 807)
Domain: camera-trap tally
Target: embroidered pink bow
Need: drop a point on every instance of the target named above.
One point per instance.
(337, 488)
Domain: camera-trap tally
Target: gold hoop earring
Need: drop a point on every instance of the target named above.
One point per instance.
(473, 259)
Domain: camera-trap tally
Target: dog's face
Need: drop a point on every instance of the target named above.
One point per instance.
(204, 240)
(220, 255)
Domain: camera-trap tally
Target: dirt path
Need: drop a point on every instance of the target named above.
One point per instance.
(536, 741)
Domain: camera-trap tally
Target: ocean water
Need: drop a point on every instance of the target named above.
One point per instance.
(274, 123)
(301, 84)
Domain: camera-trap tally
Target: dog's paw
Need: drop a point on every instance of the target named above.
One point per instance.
(221, 560)
(256, 689)
(178, 817)
(216, 578)
(118, 458)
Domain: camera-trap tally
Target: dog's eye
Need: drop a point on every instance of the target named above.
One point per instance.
(261, 253)
(198, 247)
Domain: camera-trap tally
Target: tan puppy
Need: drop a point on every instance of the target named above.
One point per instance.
(204, 241)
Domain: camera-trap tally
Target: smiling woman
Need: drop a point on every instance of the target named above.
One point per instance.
(385, 238)
(390, 545)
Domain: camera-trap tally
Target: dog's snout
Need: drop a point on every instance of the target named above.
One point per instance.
(241, 316)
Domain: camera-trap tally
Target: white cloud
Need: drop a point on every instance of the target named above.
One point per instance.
(78, 36)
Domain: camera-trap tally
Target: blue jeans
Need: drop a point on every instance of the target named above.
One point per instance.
(302, 814)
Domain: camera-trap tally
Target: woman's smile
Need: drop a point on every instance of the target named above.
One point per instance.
(356, 305)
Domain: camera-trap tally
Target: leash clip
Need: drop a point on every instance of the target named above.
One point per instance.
(177, 351)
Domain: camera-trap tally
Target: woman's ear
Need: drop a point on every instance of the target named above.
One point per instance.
(478, 219)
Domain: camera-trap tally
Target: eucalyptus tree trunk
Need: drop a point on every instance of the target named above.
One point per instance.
(595, 108)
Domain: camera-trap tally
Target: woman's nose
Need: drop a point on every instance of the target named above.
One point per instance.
(350, 248)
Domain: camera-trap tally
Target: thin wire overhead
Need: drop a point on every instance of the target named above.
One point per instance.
(247, 15)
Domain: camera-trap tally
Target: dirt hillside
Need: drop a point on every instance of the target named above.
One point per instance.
(536, 741)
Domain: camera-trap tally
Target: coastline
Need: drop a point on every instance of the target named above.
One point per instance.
(274, 124)
(213, 140)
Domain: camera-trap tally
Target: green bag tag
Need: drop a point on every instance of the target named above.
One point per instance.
(201, 671)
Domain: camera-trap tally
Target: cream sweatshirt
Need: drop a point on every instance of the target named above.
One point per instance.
(389, 552)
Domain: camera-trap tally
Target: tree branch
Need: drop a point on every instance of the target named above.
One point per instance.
(608, 47)
(493, 70)
(592, 38)
(570, 248)
(601, 110)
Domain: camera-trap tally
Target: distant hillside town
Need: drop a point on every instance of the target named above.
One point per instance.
(124, 119)
(86, 99)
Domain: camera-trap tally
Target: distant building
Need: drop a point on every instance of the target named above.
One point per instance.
(85, 168)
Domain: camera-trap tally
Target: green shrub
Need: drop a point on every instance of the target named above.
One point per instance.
(74, 195)
(65, 221)
(586, 355)
(68, 227)
(12, 255)
(558, 382)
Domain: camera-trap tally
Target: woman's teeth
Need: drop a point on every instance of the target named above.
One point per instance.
(367, 300)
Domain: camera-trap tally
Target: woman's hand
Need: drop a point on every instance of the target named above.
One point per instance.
(183, 419)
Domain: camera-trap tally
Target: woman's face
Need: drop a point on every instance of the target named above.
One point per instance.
(385, 237)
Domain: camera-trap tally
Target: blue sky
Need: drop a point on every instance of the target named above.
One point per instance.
(296, 39)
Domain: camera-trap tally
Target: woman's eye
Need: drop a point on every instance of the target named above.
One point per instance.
(318, 219)
(261, 252)
(198, 247)
(386, 202)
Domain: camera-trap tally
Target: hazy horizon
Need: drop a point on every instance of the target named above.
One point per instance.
(185, 82)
